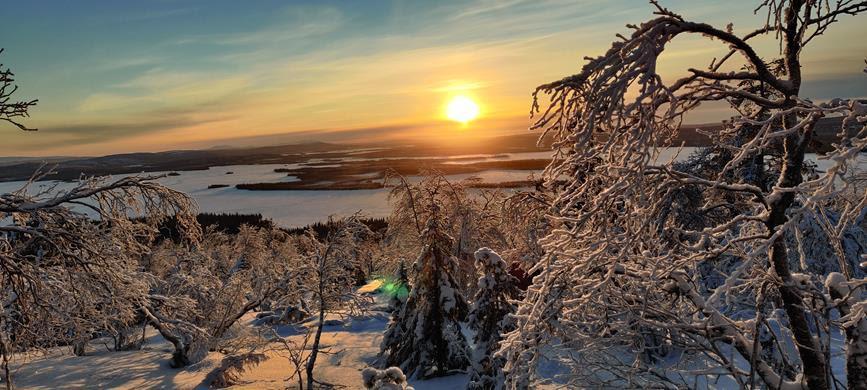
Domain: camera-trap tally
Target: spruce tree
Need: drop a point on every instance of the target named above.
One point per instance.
(490, 317)
(425, 338)
(398, 288)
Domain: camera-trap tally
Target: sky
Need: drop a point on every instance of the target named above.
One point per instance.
(127, 76)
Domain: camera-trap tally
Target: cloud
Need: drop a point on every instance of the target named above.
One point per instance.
(159, 88)
(128, 62)
(296, 23)
(363, 134)
(317, 70)
(485, 6)
(155, 14)
(100, 132)
(431, 131)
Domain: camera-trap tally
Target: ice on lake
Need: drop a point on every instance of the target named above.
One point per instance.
(299, 208)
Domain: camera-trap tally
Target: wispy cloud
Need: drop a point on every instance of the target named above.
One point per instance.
(319, 69)
(485, 6)
(295, 23)
(149, 15)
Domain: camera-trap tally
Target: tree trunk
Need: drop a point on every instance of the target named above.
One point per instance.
(856, 342)
(811, 355)
(314, 350)
(794, 146)
(812, 358)
(226, 323)
(7, 373)
(856, 356)
(180, 355)
(79, 347)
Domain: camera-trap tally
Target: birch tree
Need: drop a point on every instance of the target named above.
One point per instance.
(331, 266)
(201, 292)
(11, 111)
(66, 274)
(69, 254)
(619, 279)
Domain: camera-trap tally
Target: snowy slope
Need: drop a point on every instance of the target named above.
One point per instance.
(353, 343)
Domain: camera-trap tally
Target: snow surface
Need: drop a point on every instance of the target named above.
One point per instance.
(353, 342)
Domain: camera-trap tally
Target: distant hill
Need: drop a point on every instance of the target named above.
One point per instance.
(4, 161)
(825, 133)
(70, 168)
(189, 160)
(176, 160)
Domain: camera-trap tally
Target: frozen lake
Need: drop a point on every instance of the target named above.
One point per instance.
(299, 208)
(286, 208)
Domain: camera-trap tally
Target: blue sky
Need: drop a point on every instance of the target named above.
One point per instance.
(119, 76)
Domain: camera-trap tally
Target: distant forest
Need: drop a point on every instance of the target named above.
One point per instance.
(230, 223)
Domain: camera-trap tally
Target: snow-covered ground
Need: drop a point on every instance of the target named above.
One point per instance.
(103, 369)
(353, 342)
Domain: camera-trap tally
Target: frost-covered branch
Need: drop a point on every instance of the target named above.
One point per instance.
(631, 231)
(66, 273)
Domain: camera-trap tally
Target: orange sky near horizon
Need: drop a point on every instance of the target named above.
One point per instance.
(325, 72)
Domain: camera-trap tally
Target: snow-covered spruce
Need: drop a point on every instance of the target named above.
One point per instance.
(400, 288)
(490, 317)
(471, 219)
(391, 378)
(425, 338)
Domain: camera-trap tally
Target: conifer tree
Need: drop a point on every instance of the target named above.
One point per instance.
(490, 317)
(399, 288)
(425, 338)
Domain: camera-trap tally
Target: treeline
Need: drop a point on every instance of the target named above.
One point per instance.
(224, 222)
(231, 223)
(377, 225)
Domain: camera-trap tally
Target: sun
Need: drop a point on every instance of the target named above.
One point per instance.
(462, 109)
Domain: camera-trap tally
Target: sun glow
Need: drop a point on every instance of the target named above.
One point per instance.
(462, 109)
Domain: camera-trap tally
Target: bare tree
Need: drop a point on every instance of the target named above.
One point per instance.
(69, 253)
(472, 219)
(294, 352)
(620, 281)
(11, 110)
(199, 293)
(67, 274)
(330, 278)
